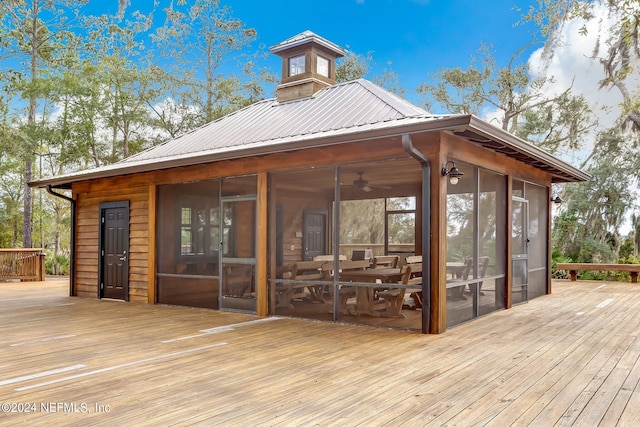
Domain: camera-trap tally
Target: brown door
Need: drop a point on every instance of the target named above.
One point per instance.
(315, 234)
(114, 250)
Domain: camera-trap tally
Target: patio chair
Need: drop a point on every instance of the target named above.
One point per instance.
(394, 298)
(413, 259)
(388, 261)
(348, 292)
(457, 293)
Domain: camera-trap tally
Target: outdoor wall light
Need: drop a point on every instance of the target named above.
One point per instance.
(454, 173)
(556, 199)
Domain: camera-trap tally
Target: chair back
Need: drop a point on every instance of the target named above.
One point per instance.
(308, 270)
(416, 269)
(413, 259)
(406, 274)
(467, 268)
(354, 265)
(484, 263)
(388, 261)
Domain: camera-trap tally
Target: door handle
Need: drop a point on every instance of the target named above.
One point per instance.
(124, 258)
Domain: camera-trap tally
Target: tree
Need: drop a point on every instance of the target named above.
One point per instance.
(614, 25)
(31, 40)
(200, 38)
(523, 106)
(617, 50)
(353, 67)
(595, 210)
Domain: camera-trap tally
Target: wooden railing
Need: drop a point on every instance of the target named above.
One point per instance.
(23, 264)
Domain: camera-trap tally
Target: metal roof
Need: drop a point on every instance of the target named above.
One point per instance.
(346, 112)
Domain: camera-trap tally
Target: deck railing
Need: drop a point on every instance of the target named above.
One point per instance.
(23, 264)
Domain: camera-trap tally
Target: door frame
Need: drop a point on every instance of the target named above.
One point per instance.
(228, 303)
(101, 227)
(521, 256)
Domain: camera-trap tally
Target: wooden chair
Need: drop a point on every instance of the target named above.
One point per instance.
(483, 264)
(388, 261)
(457, 293)
(312, 270)
(415, 278)
(413, 259)
(297, 289)
(394, 298)
(347, 292)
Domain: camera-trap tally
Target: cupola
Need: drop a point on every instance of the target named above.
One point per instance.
(308, 65)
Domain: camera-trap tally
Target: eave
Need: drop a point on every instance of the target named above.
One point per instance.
(465, 126)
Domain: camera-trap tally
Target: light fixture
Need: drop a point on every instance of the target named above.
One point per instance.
(454, 173)
(556, 199)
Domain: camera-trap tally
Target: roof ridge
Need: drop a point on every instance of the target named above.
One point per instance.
(396, 102)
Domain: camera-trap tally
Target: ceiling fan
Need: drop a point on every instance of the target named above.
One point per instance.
(363, 184)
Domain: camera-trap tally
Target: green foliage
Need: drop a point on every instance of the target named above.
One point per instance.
(551, 122)
(362, 221)
(624, 276)
(353, 67)
(83, 91)
(627, 249)
(57, 265)
(558, 257)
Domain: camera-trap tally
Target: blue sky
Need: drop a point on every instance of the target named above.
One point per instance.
(411, 37)
(416, 36)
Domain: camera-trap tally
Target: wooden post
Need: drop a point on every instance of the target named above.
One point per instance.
(438, 321)
(41, 267)
(152, 252)
(508, 272)
(262, 279)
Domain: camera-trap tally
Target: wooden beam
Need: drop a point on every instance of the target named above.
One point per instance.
(438, 320)
(262, 277)
(548, 233)
(508, 246)
(152, 252)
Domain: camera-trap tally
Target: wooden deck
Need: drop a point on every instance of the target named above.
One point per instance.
(571, 358)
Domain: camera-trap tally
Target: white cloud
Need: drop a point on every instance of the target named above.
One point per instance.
(573, 65)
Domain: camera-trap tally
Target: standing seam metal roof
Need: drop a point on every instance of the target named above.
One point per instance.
(352, 111)
(340, 106)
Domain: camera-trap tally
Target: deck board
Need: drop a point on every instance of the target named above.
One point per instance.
(570, 358)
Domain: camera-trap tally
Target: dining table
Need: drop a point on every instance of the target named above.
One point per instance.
(366, 282)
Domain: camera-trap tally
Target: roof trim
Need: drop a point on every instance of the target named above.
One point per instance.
(304, 38)
(524, 149)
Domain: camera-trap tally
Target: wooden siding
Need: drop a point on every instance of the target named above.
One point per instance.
(87, 239)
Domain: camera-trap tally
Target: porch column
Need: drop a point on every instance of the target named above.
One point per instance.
(438, 242)
(262, 279)
(152, 252)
